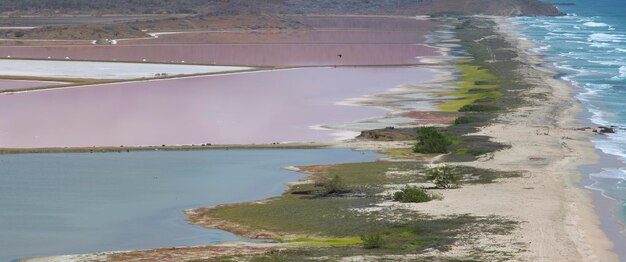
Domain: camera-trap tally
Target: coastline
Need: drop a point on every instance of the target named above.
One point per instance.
(557, 215)
(605, 206)
(583, 225)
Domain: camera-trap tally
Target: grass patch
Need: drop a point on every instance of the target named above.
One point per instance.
(329, 227)
(476, 83)
(399, 152)
(472, 147)
(326, 242)
(375, 173)
(406, 238)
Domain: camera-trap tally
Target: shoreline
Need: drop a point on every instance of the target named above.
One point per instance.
(583, 223)
(605, 206)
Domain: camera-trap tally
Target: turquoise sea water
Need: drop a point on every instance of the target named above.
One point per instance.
(588, 46)
(57, 204)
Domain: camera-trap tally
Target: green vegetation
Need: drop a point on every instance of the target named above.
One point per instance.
(332, 225)
(325, 242)
(477, 83)
(430, 140)
(333, 185)
(444, 177)
(401, 238)
(411, 194)
(477, 108)
(371, 241)
(465, 120)
(374, 174)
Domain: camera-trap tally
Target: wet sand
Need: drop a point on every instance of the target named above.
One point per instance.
(278, 106)
(605, 207)
(8, 84)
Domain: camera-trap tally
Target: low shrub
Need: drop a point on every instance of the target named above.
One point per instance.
(477, 108)
(371, 241)
(465, 120)
(334, 185)
(430, 140)
(444, 177)
(411, 194)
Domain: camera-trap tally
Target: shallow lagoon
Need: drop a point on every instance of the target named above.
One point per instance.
(55, 204)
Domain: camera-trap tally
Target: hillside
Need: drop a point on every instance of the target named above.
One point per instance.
(424, 7)
(228, 14)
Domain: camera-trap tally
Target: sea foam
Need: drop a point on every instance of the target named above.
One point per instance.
(595, 24)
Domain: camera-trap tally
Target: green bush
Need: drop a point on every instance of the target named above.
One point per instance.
(334, 185)
(371, 241)
(411, 194)
(444, 177)
(430, 140)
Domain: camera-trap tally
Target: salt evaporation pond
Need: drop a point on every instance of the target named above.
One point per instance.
(235, 54)
(240, 108)
(101, 70)
(360, 40)
(55, 204)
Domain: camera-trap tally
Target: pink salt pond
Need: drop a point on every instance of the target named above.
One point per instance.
(235, 54)
(332, 40)
(238, 108)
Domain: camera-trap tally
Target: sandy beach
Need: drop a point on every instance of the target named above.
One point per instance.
(558, 215)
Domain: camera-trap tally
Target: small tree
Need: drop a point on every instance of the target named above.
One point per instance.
(332, 185)
(444, 177)
(430, 140)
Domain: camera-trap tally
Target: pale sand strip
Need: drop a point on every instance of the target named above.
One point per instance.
(559, 221)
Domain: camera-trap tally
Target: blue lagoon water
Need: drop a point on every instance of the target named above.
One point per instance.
(588, 46)
(56, 204)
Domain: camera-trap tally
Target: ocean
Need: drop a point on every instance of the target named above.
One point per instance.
(588, 48)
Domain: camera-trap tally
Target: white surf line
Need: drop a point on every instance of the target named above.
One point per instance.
(238, 72)
(18, 27)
